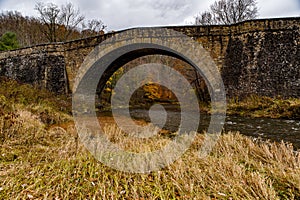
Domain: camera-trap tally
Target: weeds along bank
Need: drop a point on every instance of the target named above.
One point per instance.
(48, 107)
(41, 160)
(24, 109)
(256, 106)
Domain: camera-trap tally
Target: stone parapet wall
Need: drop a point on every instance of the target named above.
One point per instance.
(255, 57)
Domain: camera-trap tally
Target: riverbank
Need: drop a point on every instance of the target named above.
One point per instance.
(252, 106)
(265, 107)
(42, 158)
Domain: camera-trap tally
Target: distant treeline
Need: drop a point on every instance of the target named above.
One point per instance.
(34, 30)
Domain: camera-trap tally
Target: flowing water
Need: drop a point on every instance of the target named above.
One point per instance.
(266, 128)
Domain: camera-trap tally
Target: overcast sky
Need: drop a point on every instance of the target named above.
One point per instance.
(123, 14)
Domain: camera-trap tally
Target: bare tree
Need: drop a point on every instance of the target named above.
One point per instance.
(70, 17)
(228, 12)
(61, 24)
(54, 19)
(49, 14)
(206, 18)
(92, 27)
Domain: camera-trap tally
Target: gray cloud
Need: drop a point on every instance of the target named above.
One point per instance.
(279, 8)
(121, 14)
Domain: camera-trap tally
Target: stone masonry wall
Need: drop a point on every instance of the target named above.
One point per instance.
(255, 57)
(42, 66)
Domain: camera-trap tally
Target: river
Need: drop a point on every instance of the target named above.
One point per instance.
(265, 128)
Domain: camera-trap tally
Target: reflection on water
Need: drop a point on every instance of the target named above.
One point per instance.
(273, 129)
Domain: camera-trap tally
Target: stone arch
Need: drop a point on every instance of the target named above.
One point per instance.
(116, 51)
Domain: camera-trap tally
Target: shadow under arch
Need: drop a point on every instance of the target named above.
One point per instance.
(126, 54)
(138, 51)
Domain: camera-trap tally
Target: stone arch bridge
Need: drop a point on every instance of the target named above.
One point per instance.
(255, 57)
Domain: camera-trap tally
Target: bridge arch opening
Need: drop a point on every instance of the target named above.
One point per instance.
(152, 93)
(130, 53)
(121, 49)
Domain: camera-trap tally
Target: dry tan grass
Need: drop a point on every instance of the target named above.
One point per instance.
(237, 168)
(134, 144)
(39, 160)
